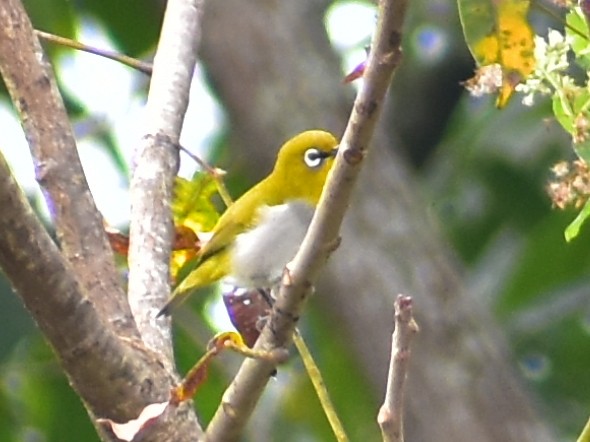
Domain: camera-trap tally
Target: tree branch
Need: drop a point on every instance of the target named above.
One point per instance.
(115, 377)
(390, 417)
(156, 165)
(74, 295)
(78, 223)
(240, 398)
(281, 51)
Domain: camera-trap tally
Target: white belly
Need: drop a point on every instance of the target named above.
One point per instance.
(260, 254)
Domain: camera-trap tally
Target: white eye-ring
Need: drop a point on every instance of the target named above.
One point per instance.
(313, 157)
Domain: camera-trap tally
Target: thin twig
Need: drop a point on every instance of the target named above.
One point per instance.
(216, 174)
(315, 375)
(390, 417)
(141, 66)
(322, 237)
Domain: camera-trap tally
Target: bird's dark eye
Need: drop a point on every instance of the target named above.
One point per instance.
(313, 157)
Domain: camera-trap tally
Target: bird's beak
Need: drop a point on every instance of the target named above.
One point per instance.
(330, 154)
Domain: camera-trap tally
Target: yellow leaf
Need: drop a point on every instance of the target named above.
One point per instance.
(192, 206)
(499, 32)
(192, 211)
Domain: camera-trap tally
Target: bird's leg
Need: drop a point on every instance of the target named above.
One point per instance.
(267, 296)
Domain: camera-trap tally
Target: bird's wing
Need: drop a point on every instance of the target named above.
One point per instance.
(223, 236)
(240, 217)
(235, 220)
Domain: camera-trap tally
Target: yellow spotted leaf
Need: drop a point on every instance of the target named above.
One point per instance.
(498, 32)
(192, 206)
(193, 212)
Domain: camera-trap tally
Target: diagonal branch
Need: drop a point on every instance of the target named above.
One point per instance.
(242, 395)
(388, 226)
(79, 226)
(115, 377)
(157, 159)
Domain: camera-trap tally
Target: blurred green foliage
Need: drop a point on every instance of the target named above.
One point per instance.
(484, 173)
(36, 401)
(487, 180)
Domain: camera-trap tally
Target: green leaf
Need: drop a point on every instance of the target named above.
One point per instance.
(569, 113)
(192, 205)
(563, 112)
(583, 150)
(574, 227)
(577, 30)
(192, 208)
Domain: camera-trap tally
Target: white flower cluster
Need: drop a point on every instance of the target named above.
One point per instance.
(551, 66)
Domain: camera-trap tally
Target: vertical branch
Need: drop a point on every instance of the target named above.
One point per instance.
(156, 165)
(242, 395)
(390, 417)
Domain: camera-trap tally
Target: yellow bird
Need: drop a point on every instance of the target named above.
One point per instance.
(260, 233)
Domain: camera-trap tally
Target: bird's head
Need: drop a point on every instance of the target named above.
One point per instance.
(303, 164)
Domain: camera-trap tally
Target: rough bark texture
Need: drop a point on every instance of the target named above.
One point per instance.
(322, 236)
(272, 65)
(115, 376)
(78, 224)
(74, 294)
(156, 166)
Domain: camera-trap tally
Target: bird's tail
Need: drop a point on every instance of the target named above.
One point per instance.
(207, 272)
(175, 300)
